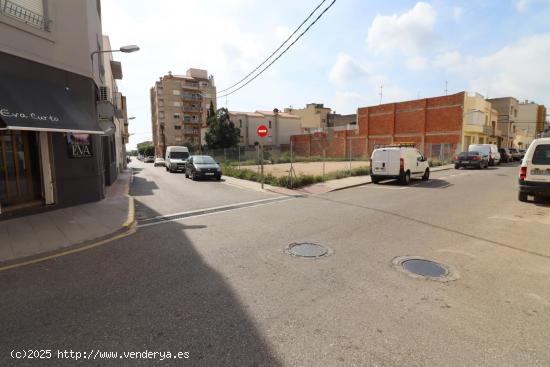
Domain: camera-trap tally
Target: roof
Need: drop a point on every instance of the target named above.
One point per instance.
(281, 114)
(249, 114)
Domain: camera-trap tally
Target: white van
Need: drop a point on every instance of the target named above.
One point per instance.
(176, 158)
(534, 173)
(489, 150)
(398, 162)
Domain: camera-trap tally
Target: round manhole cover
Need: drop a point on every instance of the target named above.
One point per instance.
(418, 267)
(425, 268)
(307, 249)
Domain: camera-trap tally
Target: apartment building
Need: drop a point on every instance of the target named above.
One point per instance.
(281, 126)
(314, 116)
(507, 109)
(479, 121)
(337, 121)
(179, 107)
(530, 123)
(53, 151)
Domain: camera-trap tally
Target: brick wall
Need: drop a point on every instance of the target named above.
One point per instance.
(427, 122)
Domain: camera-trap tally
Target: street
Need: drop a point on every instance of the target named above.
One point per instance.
(218, 284)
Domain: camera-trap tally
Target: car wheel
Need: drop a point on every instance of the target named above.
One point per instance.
(426, 176)
(522, 196)
(374, 180)
(491, 162)
(219, 178)
(186, 174)
(406, 179)
(457, 166)
(193, 176)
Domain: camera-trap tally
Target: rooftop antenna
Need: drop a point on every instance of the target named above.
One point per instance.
(381, 88)
(446, 87)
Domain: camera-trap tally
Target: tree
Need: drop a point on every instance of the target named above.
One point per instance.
(222, 133)
(146, 149)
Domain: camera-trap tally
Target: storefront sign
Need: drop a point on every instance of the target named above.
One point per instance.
(80, 145)
(4, 112)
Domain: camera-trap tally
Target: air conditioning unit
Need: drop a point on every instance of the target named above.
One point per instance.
(104, 94)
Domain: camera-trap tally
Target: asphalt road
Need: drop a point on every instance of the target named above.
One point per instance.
(219, 285)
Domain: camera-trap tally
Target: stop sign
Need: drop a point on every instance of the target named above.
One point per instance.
(262, 131)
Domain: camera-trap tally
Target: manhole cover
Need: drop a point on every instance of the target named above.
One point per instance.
(425, 268)
(307, 249)
(418, 267)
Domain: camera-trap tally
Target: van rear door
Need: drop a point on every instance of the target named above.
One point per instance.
(539, 167)
(385, 162)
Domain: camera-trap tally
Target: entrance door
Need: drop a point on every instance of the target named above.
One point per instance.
(19, 168)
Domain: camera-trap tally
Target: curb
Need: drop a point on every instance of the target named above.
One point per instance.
(127, 228)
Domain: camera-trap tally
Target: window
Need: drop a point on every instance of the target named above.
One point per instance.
(161, 103)
(270, 124)
(542, 155)
(176, 92)
(240, 123)
(176, 115)
(177, 104)
(177, 127)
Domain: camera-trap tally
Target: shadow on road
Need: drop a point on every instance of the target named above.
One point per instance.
(142, 187)
(433, 183)
(152, 291)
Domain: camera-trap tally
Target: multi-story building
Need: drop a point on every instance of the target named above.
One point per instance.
(281, 126)
(314, 116)
(179, 107)
(507, 108)
(530, 123)
(109, 92)
(53, 151)
(337, 121)
(477, 121)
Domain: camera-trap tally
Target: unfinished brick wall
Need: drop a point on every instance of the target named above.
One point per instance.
(426, 122)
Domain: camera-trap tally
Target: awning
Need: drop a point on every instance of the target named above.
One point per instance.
(39, 105)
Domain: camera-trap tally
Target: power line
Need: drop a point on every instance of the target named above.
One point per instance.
(282, 53)
(274, 52)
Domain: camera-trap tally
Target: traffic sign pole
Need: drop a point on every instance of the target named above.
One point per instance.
(262, 133)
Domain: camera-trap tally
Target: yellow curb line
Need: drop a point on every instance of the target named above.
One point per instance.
(129, 224)
(99, 243)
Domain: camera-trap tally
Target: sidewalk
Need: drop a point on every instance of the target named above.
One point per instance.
(319, 188)
(52, 231)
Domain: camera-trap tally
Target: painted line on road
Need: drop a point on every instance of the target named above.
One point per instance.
(207, 211)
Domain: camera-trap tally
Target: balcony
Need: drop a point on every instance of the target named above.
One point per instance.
(22, 14)
(191, 97)
(190, 85)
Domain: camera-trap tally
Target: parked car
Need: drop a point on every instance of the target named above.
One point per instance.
(159, 162)
(398, 162)
(149, 159)
(176, 157)
(471, 159)
(516, 155)
(489, 150)
(505, 155)
(522, 152)
(202, 166)
(534, 173)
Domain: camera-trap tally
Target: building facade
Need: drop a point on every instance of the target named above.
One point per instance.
(281, 126)
(507, 109)
(314, 116)
(530, 123)
(337, 121)
(179, 107)
(479, 125)
(52, 148)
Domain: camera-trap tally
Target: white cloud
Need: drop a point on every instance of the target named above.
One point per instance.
(518, 70)
(523, 5)
(416, 63)
(457, 12)
(411, 31)
(282, 33)
(346, 70)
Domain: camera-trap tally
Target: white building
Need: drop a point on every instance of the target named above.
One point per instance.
(281, 126)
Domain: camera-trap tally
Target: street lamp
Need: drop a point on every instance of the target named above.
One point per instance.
(126, 49)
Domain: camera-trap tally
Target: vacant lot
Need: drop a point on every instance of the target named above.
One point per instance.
(309, 168)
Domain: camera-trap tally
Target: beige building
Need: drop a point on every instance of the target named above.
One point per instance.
(530, 123)
(179, 106)
(507, 108)
(477, 121)
(281, 126)
(314, 116)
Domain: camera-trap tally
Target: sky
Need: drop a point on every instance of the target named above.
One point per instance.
(411, 48)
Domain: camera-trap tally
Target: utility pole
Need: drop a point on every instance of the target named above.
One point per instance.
(446, 87)
(381, 88)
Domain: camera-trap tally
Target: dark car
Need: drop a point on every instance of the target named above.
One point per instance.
(505, 155)
(471, 159)
(516, 155)
(202, 166)
(522, 152)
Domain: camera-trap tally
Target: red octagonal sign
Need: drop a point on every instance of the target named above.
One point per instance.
(262, 131)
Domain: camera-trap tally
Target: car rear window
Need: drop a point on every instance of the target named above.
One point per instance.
(542, 154)
(473, 153)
